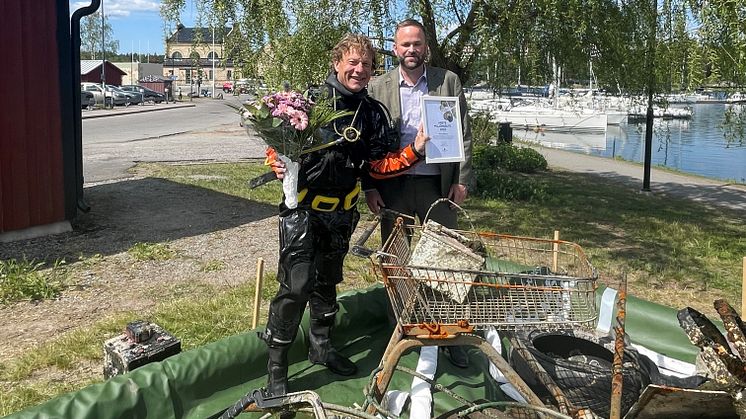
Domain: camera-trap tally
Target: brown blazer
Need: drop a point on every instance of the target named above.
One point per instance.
(440, 82)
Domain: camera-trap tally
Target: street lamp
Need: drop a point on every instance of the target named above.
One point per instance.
(103, 56)
(213, 61)
(174, 67)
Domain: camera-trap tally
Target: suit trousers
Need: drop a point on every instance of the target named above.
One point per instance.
(414, 195)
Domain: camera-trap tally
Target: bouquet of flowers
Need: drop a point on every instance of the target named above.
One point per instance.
(289, 123)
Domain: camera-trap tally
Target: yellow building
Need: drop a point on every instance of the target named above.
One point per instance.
(196, 61)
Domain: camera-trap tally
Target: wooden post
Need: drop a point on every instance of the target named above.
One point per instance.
(555, 251)
(257, 291)
(743, 289)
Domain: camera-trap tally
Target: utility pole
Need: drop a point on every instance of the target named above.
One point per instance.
(213, 61)
(650, 63)
(103, 56)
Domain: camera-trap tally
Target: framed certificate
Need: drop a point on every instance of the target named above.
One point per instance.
(441, 118)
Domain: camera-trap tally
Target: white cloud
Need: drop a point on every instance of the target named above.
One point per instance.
(123, 8)
(126, 7)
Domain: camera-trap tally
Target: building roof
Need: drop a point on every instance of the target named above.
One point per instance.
(189, 35)
(87, 66)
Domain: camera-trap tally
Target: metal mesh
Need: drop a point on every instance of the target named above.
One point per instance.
(526, 282)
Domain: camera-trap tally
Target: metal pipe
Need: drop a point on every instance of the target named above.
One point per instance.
(391, 358)
(78, 121)
(617, 377)
(565, 406)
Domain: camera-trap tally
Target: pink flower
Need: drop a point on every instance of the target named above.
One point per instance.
(281, 110)
(299, 120)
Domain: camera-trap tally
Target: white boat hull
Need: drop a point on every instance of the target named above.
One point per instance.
(554, 121)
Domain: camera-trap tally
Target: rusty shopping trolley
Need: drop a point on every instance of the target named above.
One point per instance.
(445, 284)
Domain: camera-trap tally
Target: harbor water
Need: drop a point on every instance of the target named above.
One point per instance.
(697, 146)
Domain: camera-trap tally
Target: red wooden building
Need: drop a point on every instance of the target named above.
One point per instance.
(41, 182)
(90, 71)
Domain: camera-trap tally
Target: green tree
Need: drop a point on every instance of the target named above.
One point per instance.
(91, 37)
(502, 42)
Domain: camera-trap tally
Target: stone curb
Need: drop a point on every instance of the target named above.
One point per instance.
(134, 109)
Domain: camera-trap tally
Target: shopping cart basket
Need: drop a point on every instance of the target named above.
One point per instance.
(523, 282)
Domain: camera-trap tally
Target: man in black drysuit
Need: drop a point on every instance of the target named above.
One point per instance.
(315, 236)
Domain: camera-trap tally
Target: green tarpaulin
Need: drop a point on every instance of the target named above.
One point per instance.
(202, 382)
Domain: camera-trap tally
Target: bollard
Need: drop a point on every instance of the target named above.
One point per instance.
(504, 132)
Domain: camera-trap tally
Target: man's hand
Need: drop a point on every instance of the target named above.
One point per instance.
(420, 140)
(374, 200)
(273, 161)
(458, 193)
(279, 168)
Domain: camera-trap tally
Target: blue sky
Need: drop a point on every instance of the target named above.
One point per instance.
(137, 24)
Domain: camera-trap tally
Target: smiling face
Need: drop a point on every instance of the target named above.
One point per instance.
(410, 47)
(354, 70)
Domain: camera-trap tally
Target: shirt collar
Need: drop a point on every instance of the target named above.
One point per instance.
(423, 78)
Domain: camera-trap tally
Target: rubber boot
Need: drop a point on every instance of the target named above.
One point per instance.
(320, 350)
(277, 370)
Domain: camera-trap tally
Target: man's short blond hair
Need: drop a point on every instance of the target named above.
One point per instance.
(354, 42)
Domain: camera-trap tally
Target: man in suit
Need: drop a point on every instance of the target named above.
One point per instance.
(400, 91)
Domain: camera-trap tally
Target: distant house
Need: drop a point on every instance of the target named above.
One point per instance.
(190, 63)
(90, 71)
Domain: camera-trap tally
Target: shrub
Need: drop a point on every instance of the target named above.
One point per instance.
(483, 130)
(508, 157)
(503, 171)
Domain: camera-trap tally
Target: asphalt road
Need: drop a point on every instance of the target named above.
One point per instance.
(208, 130)
(202, 130)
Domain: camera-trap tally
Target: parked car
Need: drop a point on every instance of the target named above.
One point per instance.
(227, 87)
(148, 95)
(87, 100)
(109, 98)
(134, 98)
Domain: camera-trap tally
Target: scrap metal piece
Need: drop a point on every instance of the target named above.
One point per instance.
(661, 402)
(289, 401)
(700, 329)
(141, 343)
(726, 369)
(617, 377)
(734, 327)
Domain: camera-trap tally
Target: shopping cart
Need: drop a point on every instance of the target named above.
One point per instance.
(480, 281)
(525, 282)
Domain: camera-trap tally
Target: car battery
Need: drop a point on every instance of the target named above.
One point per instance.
(141, 343)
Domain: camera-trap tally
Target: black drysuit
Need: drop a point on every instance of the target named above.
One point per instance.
(315, 236)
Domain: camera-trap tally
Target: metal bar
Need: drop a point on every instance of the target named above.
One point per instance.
(617, 377)
(391, 359)
(734, 327)
(565, 406)
(743, 288)
(555, 251)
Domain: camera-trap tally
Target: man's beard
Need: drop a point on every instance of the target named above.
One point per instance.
(420, 61)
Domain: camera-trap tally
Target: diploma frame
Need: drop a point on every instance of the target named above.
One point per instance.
(441, 118)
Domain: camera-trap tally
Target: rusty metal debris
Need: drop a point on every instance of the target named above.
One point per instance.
(733, 326)
(617, 377)
(722, 357)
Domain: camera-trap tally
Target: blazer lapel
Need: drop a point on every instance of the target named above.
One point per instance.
(434, 81)
(392, 89)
